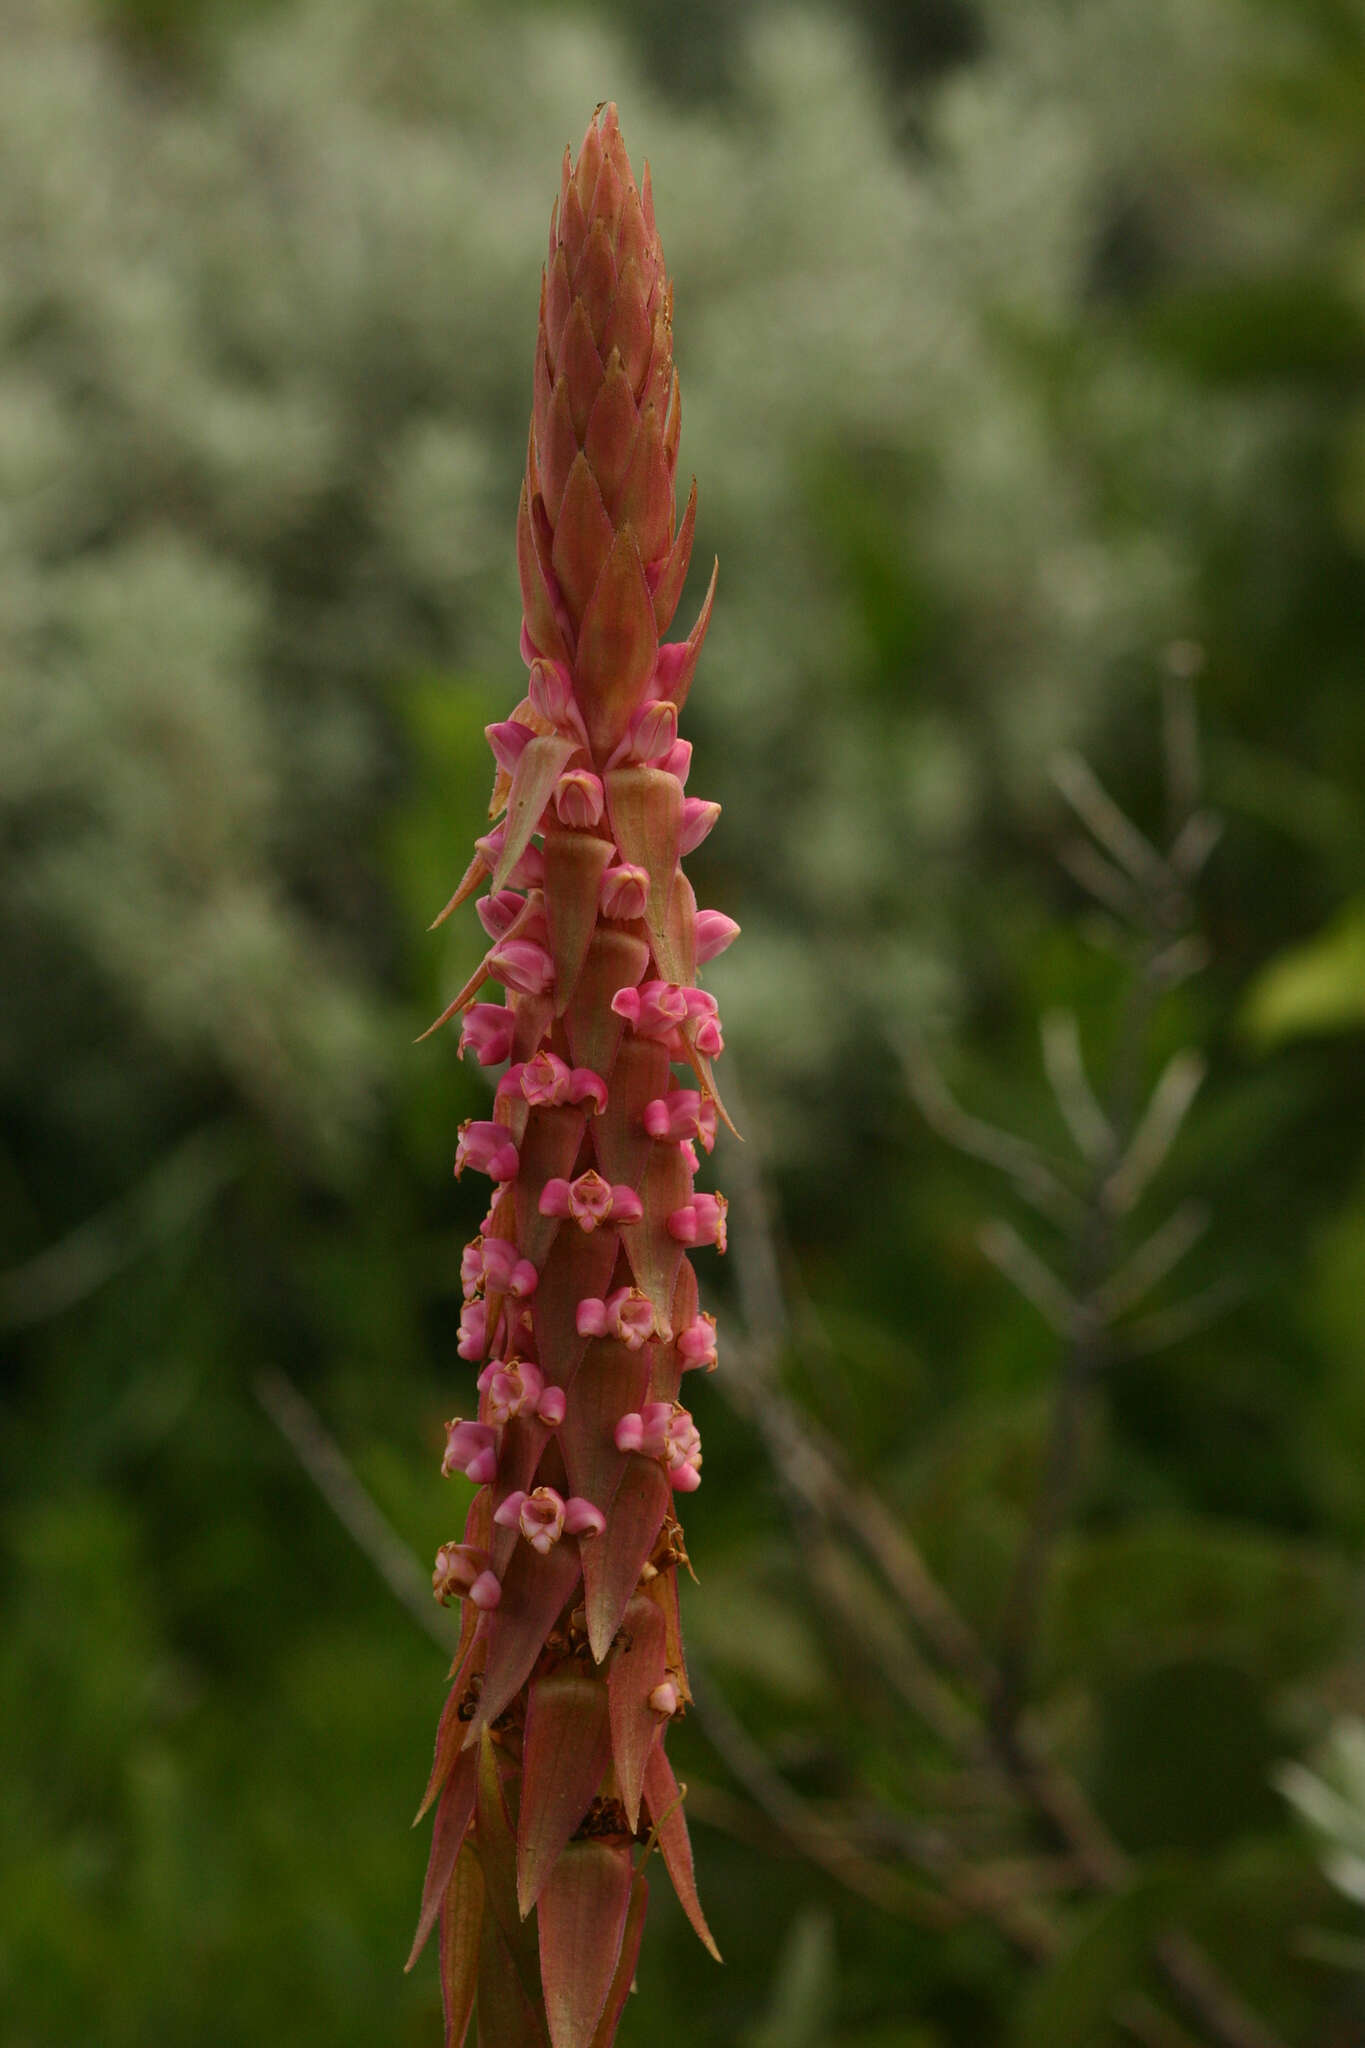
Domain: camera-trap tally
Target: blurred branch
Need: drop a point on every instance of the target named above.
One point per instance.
(369, 1528)
(177, 1190)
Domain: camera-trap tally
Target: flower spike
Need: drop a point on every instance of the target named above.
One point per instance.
(580, 1310)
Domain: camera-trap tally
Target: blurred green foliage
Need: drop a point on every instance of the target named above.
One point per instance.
(1016, 341)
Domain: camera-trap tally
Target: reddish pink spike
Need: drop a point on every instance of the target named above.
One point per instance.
(611, 433)
(459, 1002)
(565, 1750)
(645, 807)
(611, 1383)
(647, 197)
(558, 299)
(580, 365)
(556, 449)
(541, 764)
(677, 671)
(534, 1588)
(612, 1563)
(582, 1917)
(647, 494)
(665, 1811)
(454, 1812)
(617, 644)
(582, 540)
(548, 1152)
(637, 1666)
(616, 960)
(654, 1255)
(619, 1138)
(673, 573)
(574, 865)
(542, 391)
(630, 328)
(577, 1265)
(623, 1982)
(594, 279)
(461, 1928)
(542, 621)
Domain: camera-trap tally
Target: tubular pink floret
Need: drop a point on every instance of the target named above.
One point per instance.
(653, 1010)
(522, 965)
(473, 1339)
(682, 1113)
(678, 760)
(529, 871)
(509, 1388)
(697, 1344)
(700, 1221)
(664, 1700)
(627, 1314)
(497, 914)
(590, 1088)
(505, 1271)
(471, 1448)
(651, 735)
(551, 693)
(624, 892)
(579, 799)
(552, 1407)
(487, 1032)
(464, 1572)
(698, 818)
(715, 931)
(486, 1148)
(543, 1516)
(590, 1201)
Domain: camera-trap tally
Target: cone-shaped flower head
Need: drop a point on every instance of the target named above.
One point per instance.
(581, 1312)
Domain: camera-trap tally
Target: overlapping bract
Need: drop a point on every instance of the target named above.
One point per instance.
(550, 1779)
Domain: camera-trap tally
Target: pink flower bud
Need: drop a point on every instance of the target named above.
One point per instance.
(697, 1344)
(645, 1431)
(551, 694)
(488, 1032)
(700, 1221)
(544, 1080)
(543, 1516)
(590, 1201)
(488, 1149)
(509, 1388)
(627, 1314)
(578, 799)
(497, 914)
(464, 1572)
(585, 1086)
(523, 966)
(697, 820)
(650, 736)
(715, 931)
(508, 741)
(682, 1113)
(505, 1271)
(707, 1038)
(678, 760)
(654, 1010)
(663, 1701)
(625, 892)
(529, 872)
(473, 1339)
(471, 1448)
(552, 1407)
(471, 1268)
